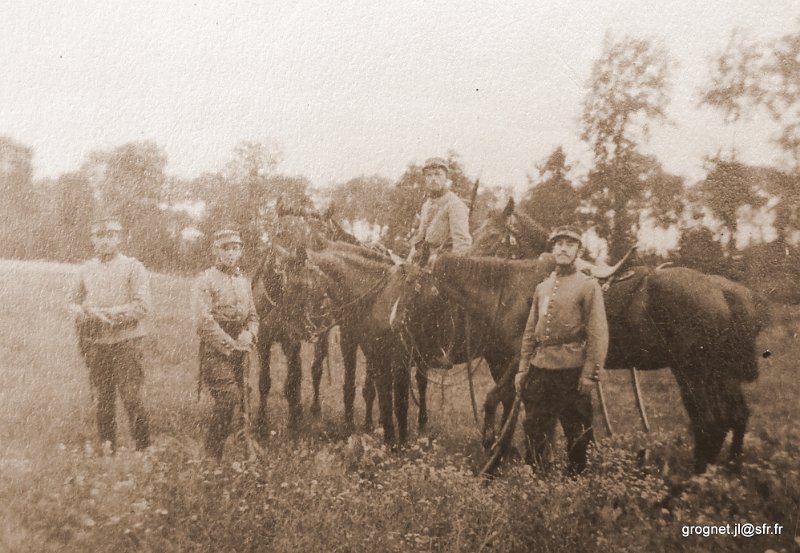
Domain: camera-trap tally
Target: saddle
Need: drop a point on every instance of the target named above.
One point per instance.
(604, 273)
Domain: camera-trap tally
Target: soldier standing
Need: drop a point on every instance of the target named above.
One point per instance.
(563, 351)
(109, 302)
(228, 326)
(444, 219)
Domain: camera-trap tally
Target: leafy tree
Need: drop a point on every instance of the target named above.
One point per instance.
(749, 74)
(75, 213)
(129, 182)
(699, 250)
(785, 187)
(16, 171)
(729, 186)
(552, 200)
(244, 194)
(628, 89)
(18, 203)
(773, 269)
(362, 199)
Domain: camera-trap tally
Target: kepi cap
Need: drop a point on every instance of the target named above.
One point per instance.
(106, 224)
(566, 231)
(226, 236)
(436, 162)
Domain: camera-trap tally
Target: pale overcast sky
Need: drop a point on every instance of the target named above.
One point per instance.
(351, 88)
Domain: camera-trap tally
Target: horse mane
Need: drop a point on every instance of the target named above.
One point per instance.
(361, 250)
(342, 266)
(489, 272)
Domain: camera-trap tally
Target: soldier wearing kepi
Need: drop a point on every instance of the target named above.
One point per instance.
(228, 326)
(444, 219)
(563, 351)
(109, 301)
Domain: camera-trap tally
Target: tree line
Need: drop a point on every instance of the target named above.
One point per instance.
(625, 189)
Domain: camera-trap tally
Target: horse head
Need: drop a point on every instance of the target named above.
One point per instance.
(510, 235)
(289, 293)
(415, 295)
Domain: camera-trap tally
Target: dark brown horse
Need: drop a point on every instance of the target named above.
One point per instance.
(704, 329)
(442, 334)
(514, 235)
(282, 304)
(354, 280)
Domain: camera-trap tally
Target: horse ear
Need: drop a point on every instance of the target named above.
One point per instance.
(509, 208)
(280, 209)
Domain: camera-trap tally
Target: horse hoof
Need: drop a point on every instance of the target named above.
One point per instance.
(261, 428)
(488, 441)
(368, 427)
(295, 420)
(316, 410)
(734, 464)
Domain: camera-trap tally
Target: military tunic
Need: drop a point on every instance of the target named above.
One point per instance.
(224, 307)
(566, 337)
(568, 323)
(444, 224)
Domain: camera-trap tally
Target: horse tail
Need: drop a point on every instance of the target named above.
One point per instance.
(742, 336)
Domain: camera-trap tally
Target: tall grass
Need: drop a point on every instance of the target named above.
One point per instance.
(318, 491)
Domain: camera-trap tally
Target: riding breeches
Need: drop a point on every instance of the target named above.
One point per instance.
(223, 376)
(552, 395)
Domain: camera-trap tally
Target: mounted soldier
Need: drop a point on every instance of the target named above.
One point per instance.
(444, 218)
(109, 302)
(227, 324)
(564, 347)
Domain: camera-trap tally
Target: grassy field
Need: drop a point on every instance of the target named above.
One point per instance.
(319, 491)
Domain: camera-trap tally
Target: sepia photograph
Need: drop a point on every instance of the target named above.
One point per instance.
(408, 276)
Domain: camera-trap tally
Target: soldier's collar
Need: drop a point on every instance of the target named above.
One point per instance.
(108, 258)
(566, 271)
(232, 271)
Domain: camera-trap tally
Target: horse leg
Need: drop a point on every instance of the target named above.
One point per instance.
(320, 353)
(264, 383)
(349, 349)
(422, 386)
(501, 392)
(701, 402)
(292, 388)
(739, 415)
(383, 383)
(400, 378)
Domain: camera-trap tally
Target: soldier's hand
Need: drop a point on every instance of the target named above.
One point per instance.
(586, 384)
(244, 342)
(97, 314)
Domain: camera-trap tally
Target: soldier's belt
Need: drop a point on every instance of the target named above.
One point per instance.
(579, 339)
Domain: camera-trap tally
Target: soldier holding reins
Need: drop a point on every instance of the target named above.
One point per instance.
(227, 324)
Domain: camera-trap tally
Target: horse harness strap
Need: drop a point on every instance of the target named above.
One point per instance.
(617, 278)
